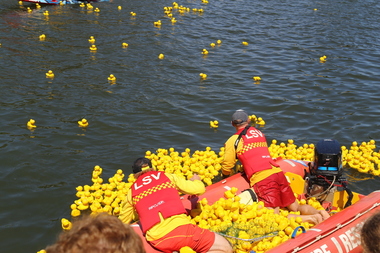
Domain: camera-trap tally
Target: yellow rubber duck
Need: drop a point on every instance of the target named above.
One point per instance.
(82, 5)
(173, 20)
(31, 124)
(212, 44)
(97, 10)
(46, 13)
(203, 76)
(112, 78)
(218, 42)
(66, 224)
(186, 249)
(214, 124)
(93, 48)
(245, 43)
(205, 1)
(257, 78)
(61, 3)
(133, 13)
(161, 56)
(323, 58)
(91, 39)
(89, 6)
(157, 23)
(75, 212)
(42, 37)
(204, 51)
(83, 123)
(119, 8)
(124, 45)
(41, 251)
(200, 10)
(38, 6)
(50, 74)
(20, 2)
(28, 9)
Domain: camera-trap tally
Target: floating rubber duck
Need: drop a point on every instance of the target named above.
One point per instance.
(50, 74)
(91, 40)
(157, 23)
(38, 6)
(245, 43)
(173, 20)
(256, 78)
(323, 58)
(46, 13)
(161, 56)
(119, 8)
(315, 9)
(203, 76)
(133, 13)
(205, 1)
(31, 124)
(260, 121)
(200, 10)
(214, 124)
(82, 5)
(83, 123)
(212, 44)
(89, 6)
(112, 78)
(41, 251)
(93, 48)
(66, 224)
(97, 10)
(218, 42)
(204, 51)
(28, 9)
(195, 10)
(75, 213)
(42, 37)
(124, 45)
(61, 3)
(20, 2)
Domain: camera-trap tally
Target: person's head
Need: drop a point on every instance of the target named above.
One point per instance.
(240, 118)
(370, 234)
(141, 164)
(102, 233)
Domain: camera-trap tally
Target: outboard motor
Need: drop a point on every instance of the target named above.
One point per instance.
(326, 172)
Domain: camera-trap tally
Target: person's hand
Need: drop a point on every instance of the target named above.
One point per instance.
(195, 177)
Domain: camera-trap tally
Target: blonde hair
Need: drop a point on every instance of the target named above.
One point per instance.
(102, 233)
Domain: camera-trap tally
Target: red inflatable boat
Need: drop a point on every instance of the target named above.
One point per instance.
(338, 234)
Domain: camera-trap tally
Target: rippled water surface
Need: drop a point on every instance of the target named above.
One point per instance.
(163, 103)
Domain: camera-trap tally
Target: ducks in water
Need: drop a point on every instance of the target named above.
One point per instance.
(83, 123)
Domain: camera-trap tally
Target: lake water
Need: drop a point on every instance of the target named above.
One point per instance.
(164, 103)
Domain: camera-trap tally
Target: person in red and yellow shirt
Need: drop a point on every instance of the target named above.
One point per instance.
(163, 219)
(268, 181)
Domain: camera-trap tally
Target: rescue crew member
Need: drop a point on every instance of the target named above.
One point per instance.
(163, 219)
(268, 181)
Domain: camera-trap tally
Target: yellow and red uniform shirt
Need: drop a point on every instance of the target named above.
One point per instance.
(252, 151)
(166, 225)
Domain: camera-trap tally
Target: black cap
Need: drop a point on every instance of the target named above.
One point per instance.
(139, 163)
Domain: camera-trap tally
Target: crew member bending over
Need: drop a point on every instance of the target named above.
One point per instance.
(155, 198)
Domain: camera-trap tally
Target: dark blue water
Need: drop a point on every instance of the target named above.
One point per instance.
(163, 103)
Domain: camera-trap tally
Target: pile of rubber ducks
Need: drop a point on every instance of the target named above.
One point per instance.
(260, 228)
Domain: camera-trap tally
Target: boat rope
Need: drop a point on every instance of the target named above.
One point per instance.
(338, 226)
(248, 240)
